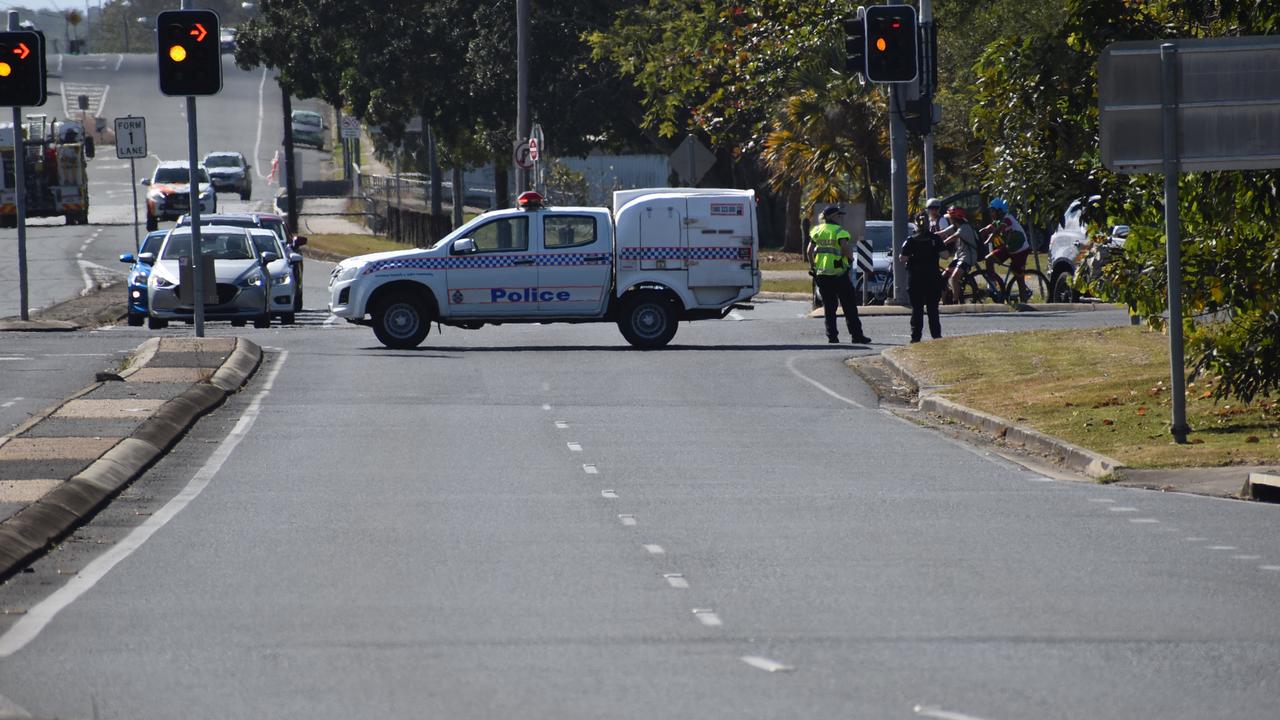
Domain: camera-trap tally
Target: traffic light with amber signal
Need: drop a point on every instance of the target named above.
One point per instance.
(188, 48)
(892, 43)
(22, 76)
(855, 44)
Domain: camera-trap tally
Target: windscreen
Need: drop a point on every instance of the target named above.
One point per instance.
(307, 119)
(221, 161)
(215, 245)
(265, 242)
(175, 175)
(152, 243)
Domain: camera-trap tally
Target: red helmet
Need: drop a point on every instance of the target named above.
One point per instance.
(955, 212)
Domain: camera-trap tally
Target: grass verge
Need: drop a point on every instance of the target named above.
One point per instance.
(787, 286)
(1106, 390)
(349, 245)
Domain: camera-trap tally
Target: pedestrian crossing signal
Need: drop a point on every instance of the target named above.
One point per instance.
(22, 75)
(189, 52)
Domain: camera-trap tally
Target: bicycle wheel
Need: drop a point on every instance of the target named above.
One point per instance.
(969, 292)
(987, 286)
(1037, 288)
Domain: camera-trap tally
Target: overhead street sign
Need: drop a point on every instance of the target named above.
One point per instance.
(131, 138)
(1227, 104)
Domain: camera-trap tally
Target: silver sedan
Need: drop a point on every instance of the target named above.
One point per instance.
(241, 284)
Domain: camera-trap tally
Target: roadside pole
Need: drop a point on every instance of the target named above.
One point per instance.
(131, 143)
(291, 187)
(20, 196)
(898, 185)
(197, 250)
(522, 87)
(1173, 237)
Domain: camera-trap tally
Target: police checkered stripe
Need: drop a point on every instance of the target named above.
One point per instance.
(482, 262)
(679, 253)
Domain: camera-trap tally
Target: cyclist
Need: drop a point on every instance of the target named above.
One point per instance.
(1008, 242)
(963, 241)
(937, 221)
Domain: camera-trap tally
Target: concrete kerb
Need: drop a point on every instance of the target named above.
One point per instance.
(58, 512)
(1082, 460)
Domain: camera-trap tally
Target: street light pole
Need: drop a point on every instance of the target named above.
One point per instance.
(522, 86)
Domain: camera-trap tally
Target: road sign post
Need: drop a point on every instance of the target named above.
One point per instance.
(131, 144)
(1202, 104)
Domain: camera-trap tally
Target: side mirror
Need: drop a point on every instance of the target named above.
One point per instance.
(269, 257)
(148, 258)
(299, 241)
(144, 181)
(464, 246)
(127, 258)
(295, 259)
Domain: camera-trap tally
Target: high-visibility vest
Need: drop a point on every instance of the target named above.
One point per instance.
(827, 257)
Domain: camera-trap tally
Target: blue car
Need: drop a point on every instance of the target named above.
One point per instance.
(139, 271)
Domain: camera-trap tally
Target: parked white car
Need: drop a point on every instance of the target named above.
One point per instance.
(1070, 244)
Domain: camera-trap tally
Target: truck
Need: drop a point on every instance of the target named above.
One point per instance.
(657, 257)
(57, 181)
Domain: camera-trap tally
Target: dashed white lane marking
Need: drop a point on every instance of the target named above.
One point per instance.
(765, 664)
(12, 402)
(574, 447)
(1123, 509)
(609, 494)
(1144, 521)
(1269, 567)
(654, 550)
(940, 714)
(707, 617)
(546, 407)
(590, 469)
(30, 625)
(791, 365)
(628, 520)
(562, 425)
(1223, 547)
(676, 580)
(1101, 500)
(1246, 557)
(1194, 539)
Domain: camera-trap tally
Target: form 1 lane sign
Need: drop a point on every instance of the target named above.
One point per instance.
(131, 137)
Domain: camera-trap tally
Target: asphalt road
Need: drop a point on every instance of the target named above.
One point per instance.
(539, 522)
(64, 262)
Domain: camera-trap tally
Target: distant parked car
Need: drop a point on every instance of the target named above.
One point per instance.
(241, 275)
(1070, 244)
(308, 128)
(229, 172)
(139, 271)
(227, 40)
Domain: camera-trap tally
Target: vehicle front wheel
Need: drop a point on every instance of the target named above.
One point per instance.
(262, 322)
(402, 322)
(136, 319)
(648, 320)
(1060, 290)
(157, 323)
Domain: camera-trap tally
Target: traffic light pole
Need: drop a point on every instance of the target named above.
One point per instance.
(197, 249)
(898, 190)
(20, 197)
(522, 86)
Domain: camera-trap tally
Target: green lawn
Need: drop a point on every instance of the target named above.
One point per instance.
(1106, 390)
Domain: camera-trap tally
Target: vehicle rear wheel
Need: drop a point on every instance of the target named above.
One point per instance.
(237, 323)
(262, 322)
(136, 319)
(1060, 290)
(244, 195)
(648, 320)
(402, 322)
(287, 318)
(155, 323)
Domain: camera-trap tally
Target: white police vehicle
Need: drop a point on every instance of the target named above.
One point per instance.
(661, 256)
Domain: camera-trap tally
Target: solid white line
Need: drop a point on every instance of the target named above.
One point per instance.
(940, 714)
(257, 146)
(30, 625)
(791, 366)
(765, 664)
(654, 550)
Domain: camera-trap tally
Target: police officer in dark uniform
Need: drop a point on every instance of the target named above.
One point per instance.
(829, 251)
(924, 280)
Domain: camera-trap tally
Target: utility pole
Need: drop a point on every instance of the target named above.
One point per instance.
(522, 86)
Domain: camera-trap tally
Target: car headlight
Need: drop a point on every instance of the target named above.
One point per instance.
(349, 272)
(282, 279)
(253, 279)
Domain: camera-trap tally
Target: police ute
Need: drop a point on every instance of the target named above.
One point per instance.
(659, 257)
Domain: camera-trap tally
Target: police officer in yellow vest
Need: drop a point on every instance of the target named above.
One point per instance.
(829, 252)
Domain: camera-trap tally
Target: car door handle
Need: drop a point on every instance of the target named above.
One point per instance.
(522, 262)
